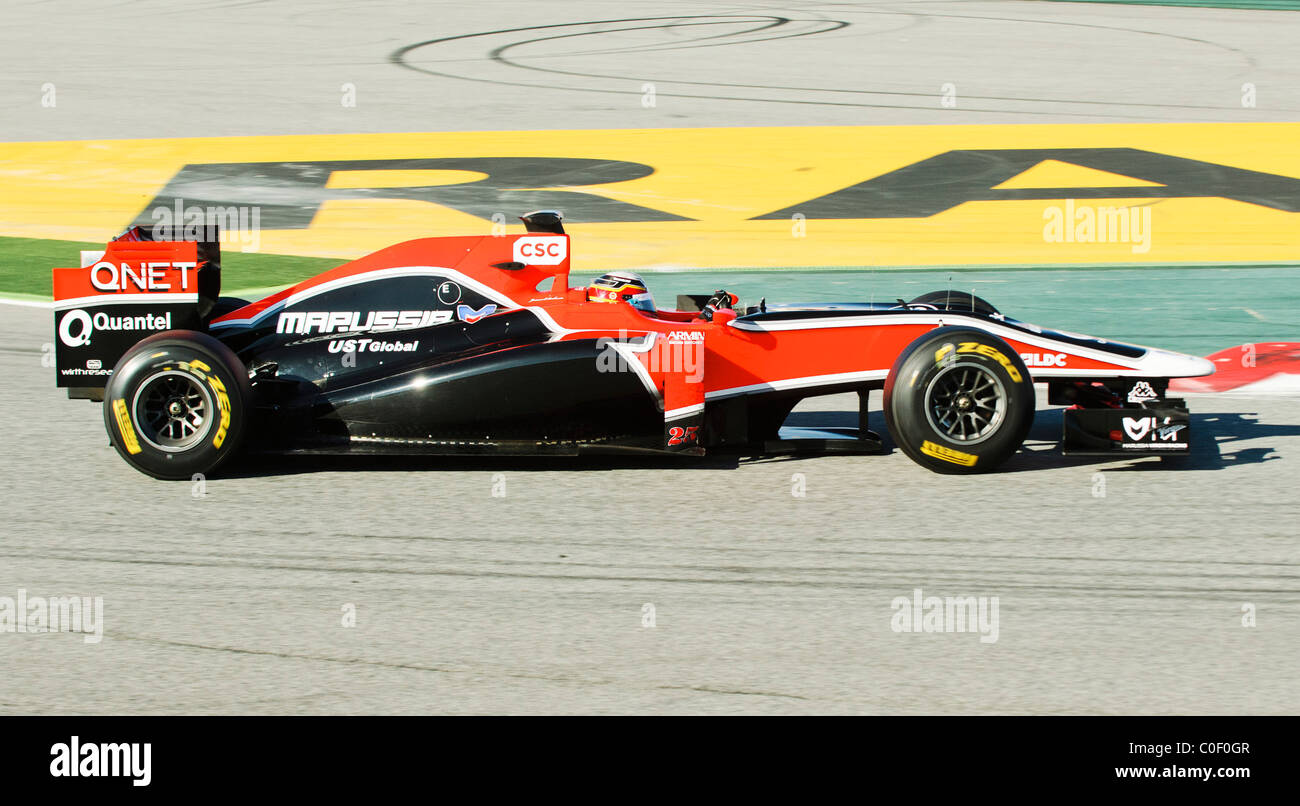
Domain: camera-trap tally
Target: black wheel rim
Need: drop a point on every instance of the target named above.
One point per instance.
(173, 411)
(965, 403)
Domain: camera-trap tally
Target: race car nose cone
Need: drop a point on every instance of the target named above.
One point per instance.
(1175, 365)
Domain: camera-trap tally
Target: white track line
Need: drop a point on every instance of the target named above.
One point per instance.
(27, 303)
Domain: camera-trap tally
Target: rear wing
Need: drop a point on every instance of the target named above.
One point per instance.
(139, 285)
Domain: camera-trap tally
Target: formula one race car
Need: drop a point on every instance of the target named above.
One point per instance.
(477, 345)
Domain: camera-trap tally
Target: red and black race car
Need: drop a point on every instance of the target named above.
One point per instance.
(478, 345)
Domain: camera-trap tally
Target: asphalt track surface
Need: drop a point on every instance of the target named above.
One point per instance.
(158, 68)
(1121, 583)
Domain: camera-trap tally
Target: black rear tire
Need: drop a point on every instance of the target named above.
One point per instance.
(177, 404)
(959, 400)
(955, 301)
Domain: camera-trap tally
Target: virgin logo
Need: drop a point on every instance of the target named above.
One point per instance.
(541, 250)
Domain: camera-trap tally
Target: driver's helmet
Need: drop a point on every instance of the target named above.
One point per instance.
(622, 286)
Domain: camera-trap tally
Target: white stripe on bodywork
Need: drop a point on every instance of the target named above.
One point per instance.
(404, 271)
(126, 299)
(549, 322)
(1155, 363)
(628, 351)
(683, 411)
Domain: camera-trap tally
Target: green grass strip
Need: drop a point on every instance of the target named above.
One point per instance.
(25, 265)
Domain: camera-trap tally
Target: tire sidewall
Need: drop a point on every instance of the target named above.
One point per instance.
(905, 405)
(207, 362)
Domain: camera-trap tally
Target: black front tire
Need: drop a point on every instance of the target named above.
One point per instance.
(959, 400)
(177, 404)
